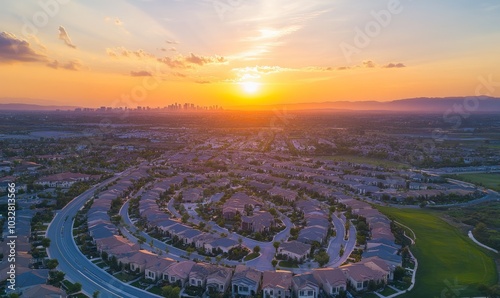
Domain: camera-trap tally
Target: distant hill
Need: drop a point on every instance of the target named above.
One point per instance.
(423, 104)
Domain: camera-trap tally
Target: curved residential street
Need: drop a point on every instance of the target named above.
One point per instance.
(263, 262)
(76, 266)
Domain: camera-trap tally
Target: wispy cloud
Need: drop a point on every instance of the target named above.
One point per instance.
(117, 22)
(191, 60)
(64, 36)
(74, 65)
(372, 64)
(123, 52)
(13, 49)
(141, 73)
(394, 65)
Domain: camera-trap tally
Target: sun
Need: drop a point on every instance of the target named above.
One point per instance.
(250, 87)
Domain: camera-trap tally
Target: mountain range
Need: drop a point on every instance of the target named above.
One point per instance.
(421, 104)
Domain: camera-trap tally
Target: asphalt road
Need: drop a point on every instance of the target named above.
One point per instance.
(76, 266)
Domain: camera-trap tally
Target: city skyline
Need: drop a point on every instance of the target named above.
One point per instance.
(240, 53)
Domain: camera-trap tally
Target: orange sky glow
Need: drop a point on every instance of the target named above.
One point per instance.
(238, 53)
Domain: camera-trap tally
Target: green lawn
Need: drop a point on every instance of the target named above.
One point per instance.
(448, 260)
(137, 284)
(251, 256)
(125, 277)
(287, 264)
(488, 180)
(155, 290)
(388, 291)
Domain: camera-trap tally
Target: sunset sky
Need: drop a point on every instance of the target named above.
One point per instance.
(243, 52)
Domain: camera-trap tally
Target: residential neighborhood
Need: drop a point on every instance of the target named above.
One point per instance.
(203, 220)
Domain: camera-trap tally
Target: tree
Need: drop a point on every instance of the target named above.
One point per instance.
(399, 273)
(45, 242)
(170, 292)
(96, 294)
(481, 231)
(55, 277)
(322, 258)
(185, 218)
(276, 245)
(77, 287)
(52, 264)
(274, 262)
(256, 249)
(141, 240)
(189, 251)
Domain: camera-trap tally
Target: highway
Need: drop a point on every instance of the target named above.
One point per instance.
(72, 262)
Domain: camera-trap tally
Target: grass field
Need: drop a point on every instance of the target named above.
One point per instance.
(367, 160)
(448, 260)
(488, 180)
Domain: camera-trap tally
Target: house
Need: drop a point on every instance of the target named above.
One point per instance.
(32, 278)
(332, 280)
(178, 272)
(154, 271)
(139, 260)
(294, 250)
(219, 280)
(115, 245)
(366, 189)
(385, 249)
(63, 180)
(368, 270)
(277, 284)
(192, 195)
(222, 244)
(198, 275)
(259, 186)
(313, 233)
(260, 221)
(44, 291)
(165, 225)
(305, 286)
(202, 239)
(285, 194)
(189, 236)
(237, 203)
(245, 281)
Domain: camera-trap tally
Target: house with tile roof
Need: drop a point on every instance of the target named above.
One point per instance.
(245, 281)
(219, 280)
(277, 284)
(332, 280)
(178, 272)
(294, 250)
(305, 286)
